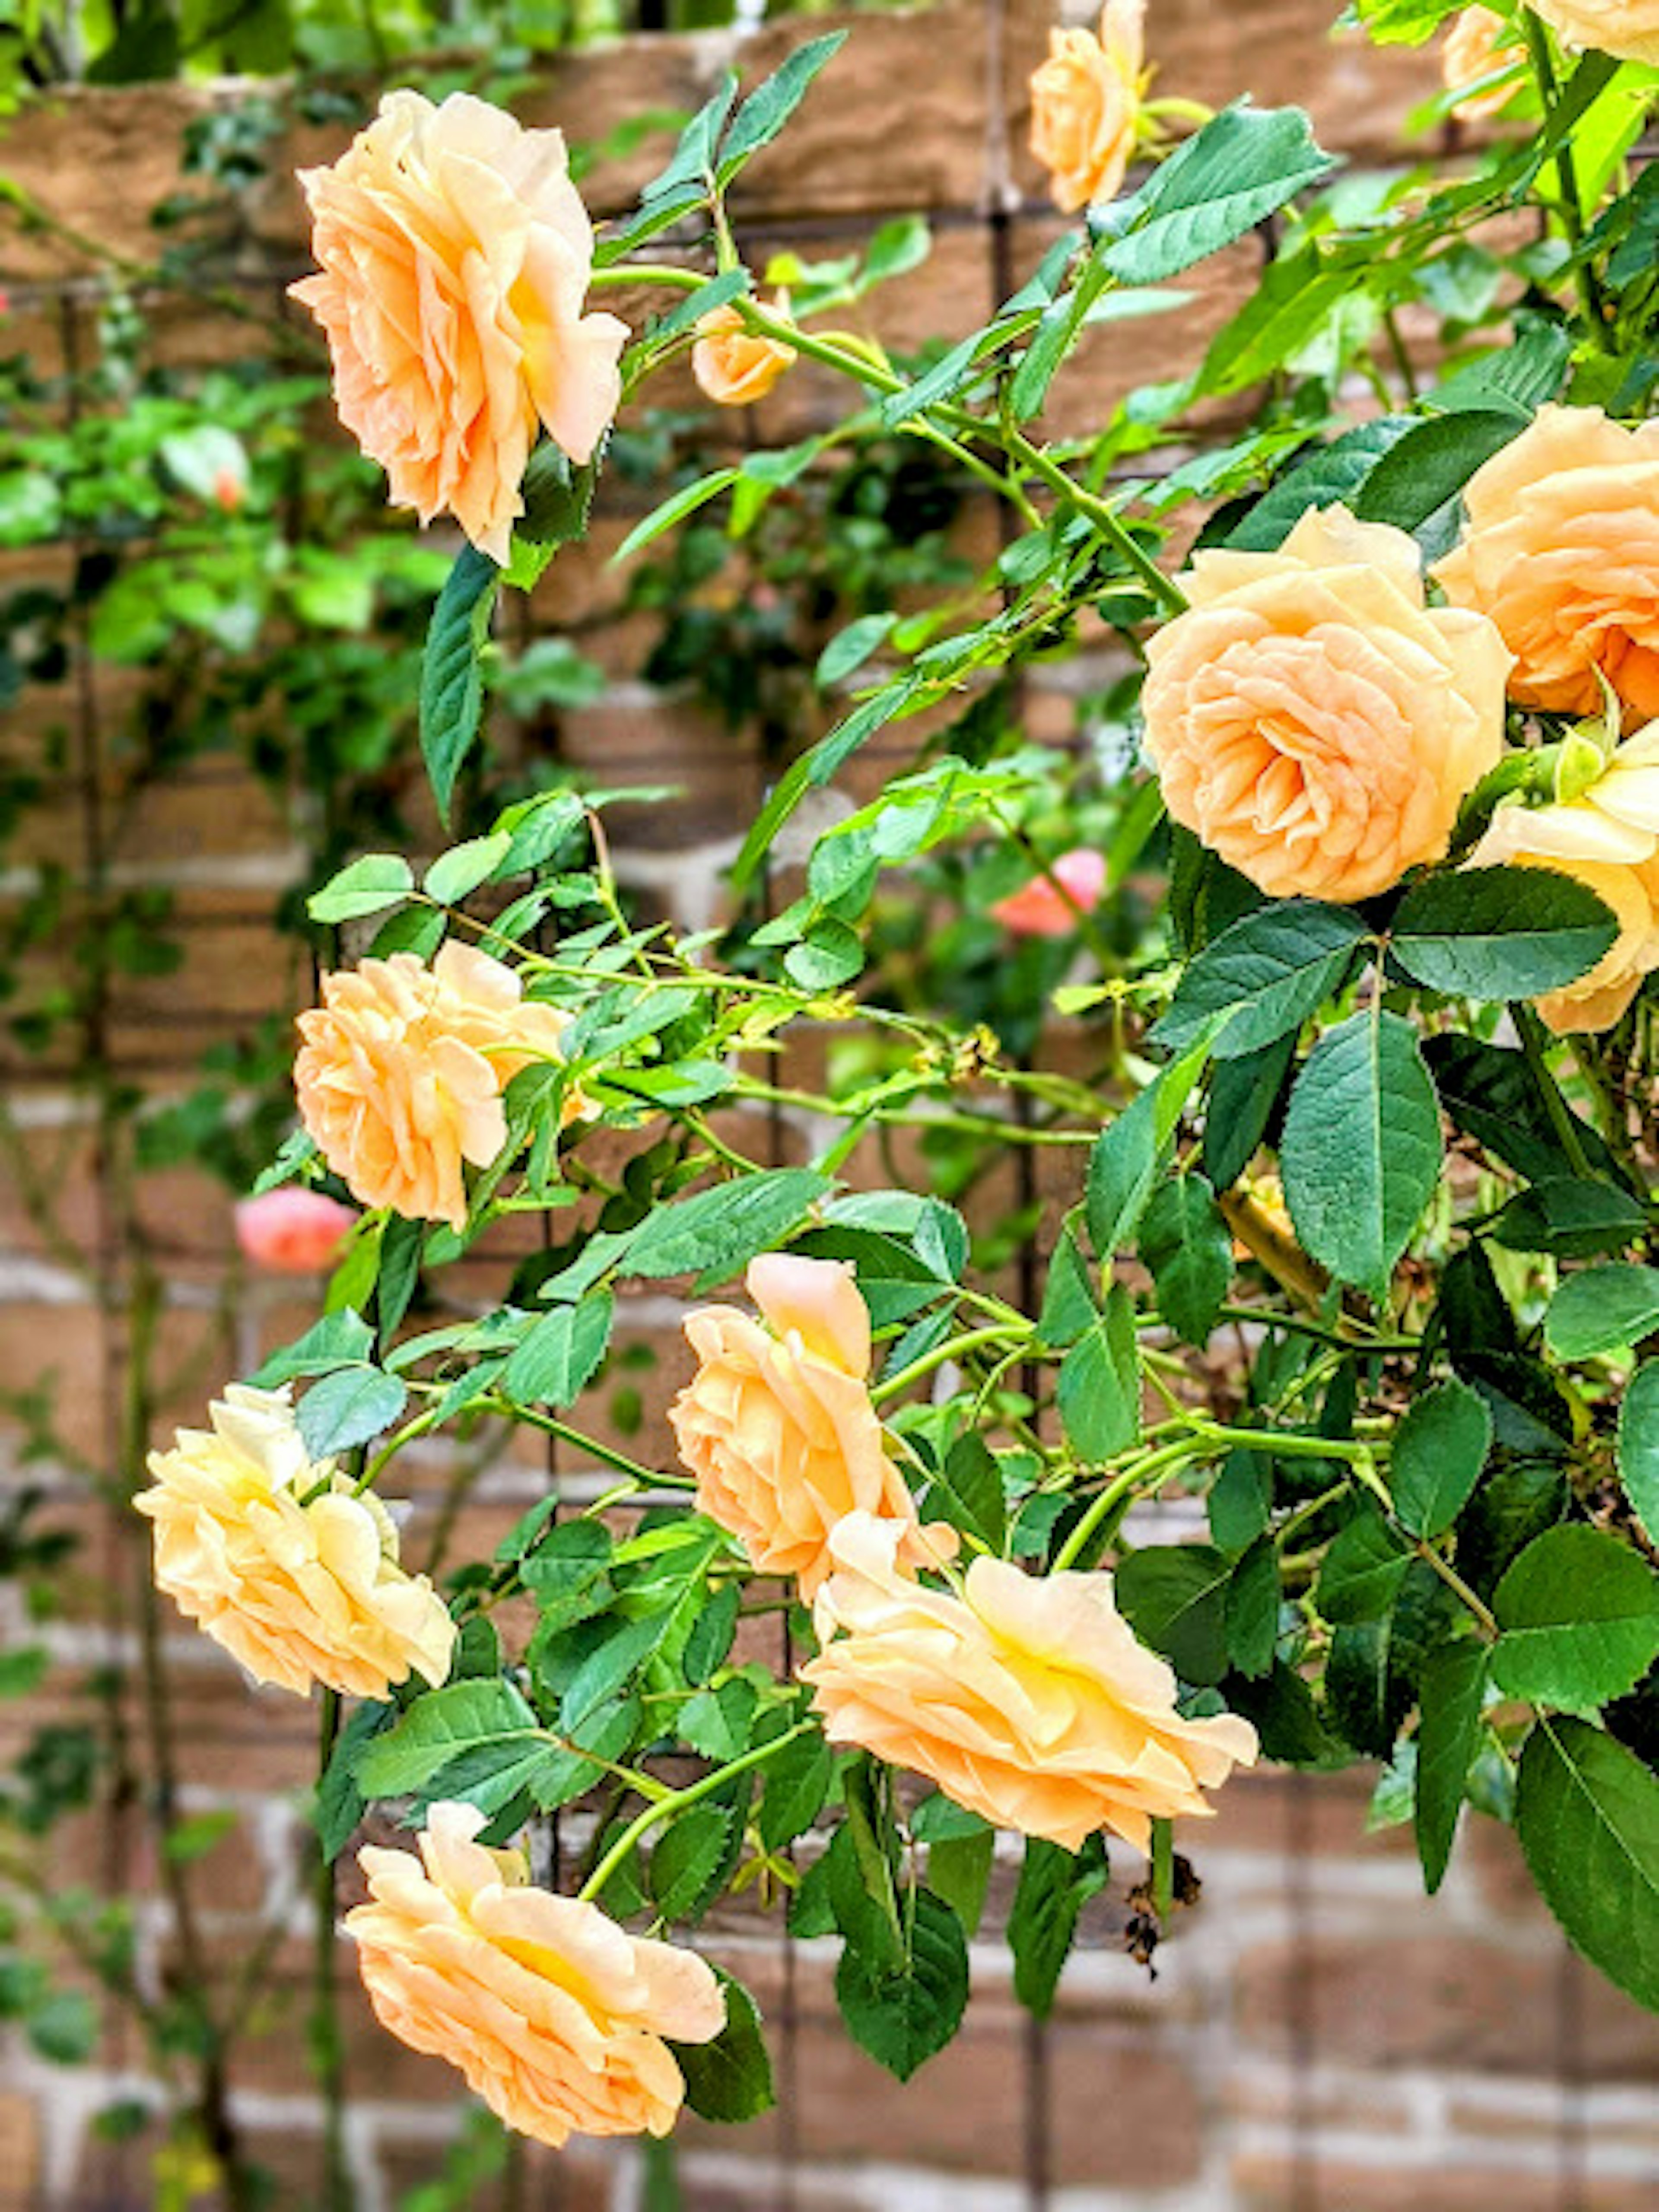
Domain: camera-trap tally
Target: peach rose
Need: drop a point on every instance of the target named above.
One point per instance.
(292, 1231)
(1561, 550)
(279, 1560)
(455, 255)
(1311, 720)
(1085, 105)
(777, 1423)
(555, 2014)
(735, 366)
(1027, 1698)
(1626, 28)
(402, 1070)
(1048, 906)
(1480, 43)
(1606, 838)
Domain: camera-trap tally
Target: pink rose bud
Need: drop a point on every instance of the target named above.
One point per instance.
(229, 490)
(1049, 905)
(292, 1231)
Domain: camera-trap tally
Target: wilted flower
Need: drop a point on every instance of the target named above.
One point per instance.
(277, 1559)
(556, 2016)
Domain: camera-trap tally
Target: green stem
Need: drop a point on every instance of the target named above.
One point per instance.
(955, 1348)
(1162, 1869)
(1164, 589)
(648, 1477)
(327, 2044)
(1566, 169)
(1160, 1463)
(1562, 1119)
(665, 1807)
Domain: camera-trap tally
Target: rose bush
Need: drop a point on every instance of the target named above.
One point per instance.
(1393, 786)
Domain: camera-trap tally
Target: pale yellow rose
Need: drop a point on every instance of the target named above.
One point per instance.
(402, 1069)
(1606, 838)
(735, 366)
(1026, 1699)
(1626, 28)
(1085, 105)
(1480, 43)
(556, 2016)
(778, 1426)
(1311, 719)
(1561, 550)
(300, 1588)
(456, 254)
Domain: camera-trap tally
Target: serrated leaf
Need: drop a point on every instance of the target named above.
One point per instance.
(560, 1355)
(1579, 1613)
(1432, 464)
(1602, 1310)
(1363, 1570)
(672, 511)
(376, 881)
(338, 1339)
(1099, 1389)
(1175, 1598)
(1439, 1450)
(1448, 1735)
(797, 1783)
(1362, 1150)
(1252, 1608)
(770, 105)
(463, 867)
(1570, 1218)
(452, 673)
(959, 1871)
(686, 1858)
(346, 1408)
(1189, 1248)
(728, 2080)
(1239, 168)
(901, 2017)
(1586, 1811)
(437, 1728)
(717, 1231)
(1639, 1445)
(1054, 1885)
(1267, 973)
(1500, 932)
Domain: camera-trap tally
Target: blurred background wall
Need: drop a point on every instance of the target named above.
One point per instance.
(207, 624)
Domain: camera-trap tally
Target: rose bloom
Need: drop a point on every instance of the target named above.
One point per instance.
(1607, 838)
(735, 366)
(1042, 907)
(301, 1589)
(1085, 105)
(402, 1069)
(292, 1231)
(455, 256)
(1561, 550)
(1626, 28)
(1026, 1699)
(555, 2014)
(778, 1427)
(1480, 43)
(1311, 719)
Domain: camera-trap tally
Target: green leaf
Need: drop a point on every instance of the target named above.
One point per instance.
(63, 2027)
(1586, 1811)
(1500, 932)
(797, 1783)
(717, 1231)
(1252, 1608)
(1240, 1503)
(1175, 1598)
(1363, 1570)
(338, 1339)
(569, 1574)
(1099, 1389)
(1448, 1735)
(340, 1805)
(560, 1355)
(1268, 972)
(851, 647)
(376, 881)
(901, 2016)
(1571, 1218)
(1430, 465)
(729, 2079)
(463, 867)
(959, 1871)
(1189, 1248)
(437, 1728)
(1362, 1150)
(664, 518)
(1439, 1450)
(1242, 1096)
(1579, 1612)
(348, 1408)
(1122, 1169)
(1054, 1885)
(1493, 1096)
(770, 105)
(968, 1491)
(1069, 1305)
(686, 1858)
(1214, 188)
(1639, 1445)
(1602, 1310)
(452, 676)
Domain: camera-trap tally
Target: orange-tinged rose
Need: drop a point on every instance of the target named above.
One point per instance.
(735, 366)
(1027, 1698)
(1311, 719)
(455, 257)
(556, 2016)
(1055, 904)
(1626, 28)
(778, 1426)
(1480, 43)
(1606, 838)
(279, 1560)
(292, 1231)
(402, 1069)
(1561, 550)
(1085, 105)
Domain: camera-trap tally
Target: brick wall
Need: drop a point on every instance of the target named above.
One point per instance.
(1319, 2039)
